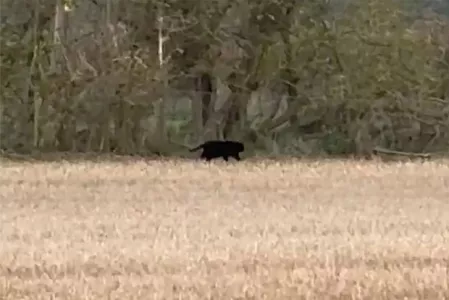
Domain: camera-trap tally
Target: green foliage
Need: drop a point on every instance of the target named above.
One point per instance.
(336, 143)
(367, 75)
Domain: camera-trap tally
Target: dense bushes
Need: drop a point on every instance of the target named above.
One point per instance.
(309, 79)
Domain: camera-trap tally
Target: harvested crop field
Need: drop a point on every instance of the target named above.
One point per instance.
(249, 230)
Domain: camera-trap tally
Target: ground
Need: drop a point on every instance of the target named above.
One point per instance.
(249, 230)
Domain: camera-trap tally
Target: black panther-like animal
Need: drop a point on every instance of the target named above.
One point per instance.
(216, 149)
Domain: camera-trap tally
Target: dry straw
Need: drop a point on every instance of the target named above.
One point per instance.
(250, 230)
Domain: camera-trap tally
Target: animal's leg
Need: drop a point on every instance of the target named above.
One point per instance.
(204, 156)
(236, 156)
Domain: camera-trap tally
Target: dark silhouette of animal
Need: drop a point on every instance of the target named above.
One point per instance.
(224, 149)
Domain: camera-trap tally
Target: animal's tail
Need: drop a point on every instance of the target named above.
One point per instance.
(197, 148)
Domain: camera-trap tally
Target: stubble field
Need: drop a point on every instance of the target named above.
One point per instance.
(249, 230)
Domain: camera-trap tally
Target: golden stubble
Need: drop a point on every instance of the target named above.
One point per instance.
(250, 230)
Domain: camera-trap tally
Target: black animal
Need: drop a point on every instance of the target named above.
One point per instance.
(225, 149)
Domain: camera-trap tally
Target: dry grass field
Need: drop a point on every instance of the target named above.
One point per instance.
(249, 230)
